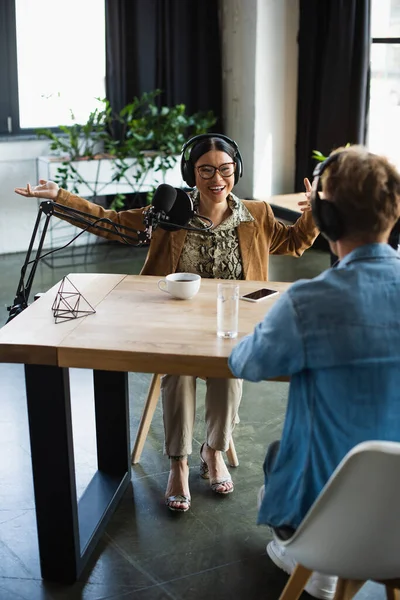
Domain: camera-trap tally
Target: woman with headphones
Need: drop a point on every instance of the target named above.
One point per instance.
(243, 235)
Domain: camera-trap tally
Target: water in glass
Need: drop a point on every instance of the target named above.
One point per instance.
(227, 310)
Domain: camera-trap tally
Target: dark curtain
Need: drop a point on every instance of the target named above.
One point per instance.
(333, 78)
(173, 45)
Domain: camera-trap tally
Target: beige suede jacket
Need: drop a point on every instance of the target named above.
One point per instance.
(257, 239)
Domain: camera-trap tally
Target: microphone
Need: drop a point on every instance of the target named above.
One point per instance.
(161, 204)
(164, 198)
(172, 209)
(181, 211)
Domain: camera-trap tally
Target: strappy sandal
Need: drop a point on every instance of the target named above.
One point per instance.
(214, 483)
(179, 498)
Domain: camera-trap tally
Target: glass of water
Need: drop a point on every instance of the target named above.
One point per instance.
(227, 310)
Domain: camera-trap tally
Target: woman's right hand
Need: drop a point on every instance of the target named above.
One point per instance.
(45, 189)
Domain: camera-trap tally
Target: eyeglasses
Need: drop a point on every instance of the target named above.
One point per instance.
(208, 171)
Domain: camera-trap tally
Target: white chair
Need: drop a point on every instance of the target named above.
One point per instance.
(352, 530)
(147, 416)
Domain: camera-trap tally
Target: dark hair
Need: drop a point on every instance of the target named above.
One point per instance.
(213, 143)
(366, 189)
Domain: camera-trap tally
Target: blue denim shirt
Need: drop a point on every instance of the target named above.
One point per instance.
(338, 337)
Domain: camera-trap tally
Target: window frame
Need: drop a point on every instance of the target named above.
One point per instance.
(10, 127)
(387, 41)
(9, 102)
(394, 237)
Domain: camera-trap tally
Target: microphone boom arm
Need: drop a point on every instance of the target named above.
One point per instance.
(75, 217)
(160, 214)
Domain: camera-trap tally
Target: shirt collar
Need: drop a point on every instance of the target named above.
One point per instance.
(239, 211)
(368, 252)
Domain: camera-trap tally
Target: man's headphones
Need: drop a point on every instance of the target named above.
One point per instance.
(326, 214)
(187, 167)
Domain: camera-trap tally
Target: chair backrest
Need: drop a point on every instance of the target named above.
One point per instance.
(353, 528)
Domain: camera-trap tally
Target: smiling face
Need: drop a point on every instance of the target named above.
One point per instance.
(218, 187)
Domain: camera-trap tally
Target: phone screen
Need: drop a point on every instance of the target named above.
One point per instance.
(258, 294)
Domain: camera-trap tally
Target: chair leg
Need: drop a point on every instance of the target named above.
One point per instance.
(392, 594)
(296, 583)
(147, 416)
(346, 589)
(231, 454)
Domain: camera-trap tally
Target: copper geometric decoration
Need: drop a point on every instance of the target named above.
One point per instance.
(69, 302)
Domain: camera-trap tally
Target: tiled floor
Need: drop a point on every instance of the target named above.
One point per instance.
(149, 553)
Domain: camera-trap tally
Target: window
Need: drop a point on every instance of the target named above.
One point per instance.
(384, 110)
(53, 62)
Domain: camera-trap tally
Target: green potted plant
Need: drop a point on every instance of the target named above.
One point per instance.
(317, 155)
(132, 151)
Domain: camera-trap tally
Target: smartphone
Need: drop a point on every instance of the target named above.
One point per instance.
(259, 295)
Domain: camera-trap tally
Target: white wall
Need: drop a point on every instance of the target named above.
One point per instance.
(259, 95)
(276, 97)
(18, 166)
(260, 90)
(239, 50)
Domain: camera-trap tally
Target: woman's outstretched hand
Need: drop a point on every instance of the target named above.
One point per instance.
(45, 189)
(306, 204)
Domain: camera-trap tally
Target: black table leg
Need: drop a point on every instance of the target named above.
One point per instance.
(112, 422)
(53, 466)
(68, 531)
(114, 469)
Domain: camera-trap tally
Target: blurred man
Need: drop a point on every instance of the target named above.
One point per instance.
(338, 337)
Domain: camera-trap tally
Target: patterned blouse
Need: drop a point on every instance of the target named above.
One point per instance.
(215, 253)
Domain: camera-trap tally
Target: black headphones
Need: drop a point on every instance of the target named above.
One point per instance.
(326, 214)
(187, 167)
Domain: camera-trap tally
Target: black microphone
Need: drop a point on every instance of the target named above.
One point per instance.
(180, 212)
(164, 198)
(161, 204)
(172, 209)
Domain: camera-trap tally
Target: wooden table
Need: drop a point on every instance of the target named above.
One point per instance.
(136, 328)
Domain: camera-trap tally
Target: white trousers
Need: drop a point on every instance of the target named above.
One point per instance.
(222, 401)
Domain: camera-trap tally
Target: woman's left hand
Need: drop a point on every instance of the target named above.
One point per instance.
(306, 204)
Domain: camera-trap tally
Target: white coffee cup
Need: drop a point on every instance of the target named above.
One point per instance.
(180, 285)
